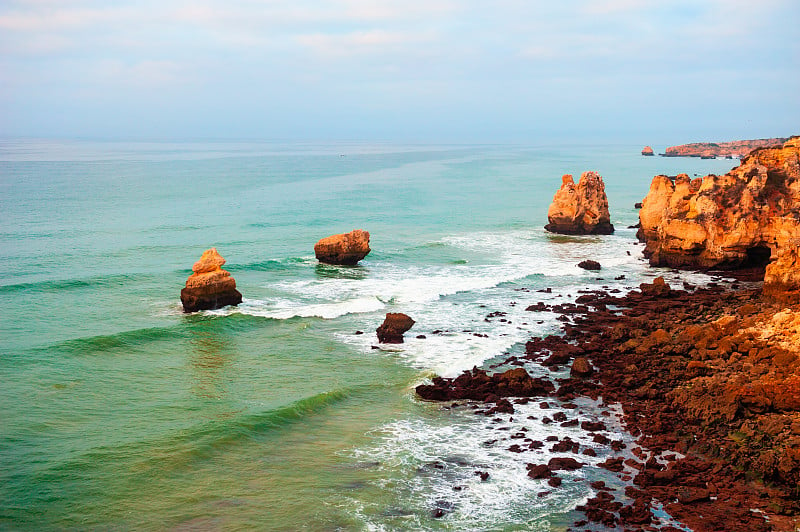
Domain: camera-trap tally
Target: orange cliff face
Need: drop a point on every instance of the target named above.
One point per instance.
(209, 286)
(748, 217)
(581, 209)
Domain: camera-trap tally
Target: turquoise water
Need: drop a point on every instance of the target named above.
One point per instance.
(121, 412)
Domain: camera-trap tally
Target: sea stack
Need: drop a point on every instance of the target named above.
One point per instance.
(392, 329)
(581, 209)
(747, 218)
(345, 249)
(648, 151)
(210, 286)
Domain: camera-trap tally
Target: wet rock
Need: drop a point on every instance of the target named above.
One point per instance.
(209, 287)
(344, 249)
(392, 329)
(581, 368)
(589, 265)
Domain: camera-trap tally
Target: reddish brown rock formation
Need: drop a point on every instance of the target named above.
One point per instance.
(741, 219)
(647, 150)
(392, 329)
(345, 249)
(736, 148)
(480, 386)
(210, 286)
(580, 209)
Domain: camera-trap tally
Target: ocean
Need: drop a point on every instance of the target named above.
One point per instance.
(121, 412)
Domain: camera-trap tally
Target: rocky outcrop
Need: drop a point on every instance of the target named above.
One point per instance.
(345, 249)
(736, 148)
(647, 150)
(210, 286)
(480, 386)
(580, 209)
(392, 329)
(749, 217)
(589, 265)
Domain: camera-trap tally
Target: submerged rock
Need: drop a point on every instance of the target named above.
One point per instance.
(210, 286)
(580, 209)
(392, 329)
(345, 249)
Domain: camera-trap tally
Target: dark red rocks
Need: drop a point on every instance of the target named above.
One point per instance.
(480, 386)
(392, 329)
(581, 368)
(589, 265)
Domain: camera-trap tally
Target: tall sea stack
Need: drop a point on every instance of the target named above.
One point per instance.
(580, 209)
(210, 286)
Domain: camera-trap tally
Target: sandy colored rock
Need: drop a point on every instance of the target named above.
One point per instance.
(647, 150)
(580, 209)
(209, 287)
(344, 249)
(744, 219)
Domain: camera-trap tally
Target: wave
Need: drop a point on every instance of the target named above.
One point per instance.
(57, 285)
(287, 309)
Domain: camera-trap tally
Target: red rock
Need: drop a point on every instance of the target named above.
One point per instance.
(209, 287)
(720, 149)
(392, 329)
(581, 368)
(647, 150)
(345, 249)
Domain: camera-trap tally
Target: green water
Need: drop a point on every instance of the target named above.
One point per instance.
(121, 412)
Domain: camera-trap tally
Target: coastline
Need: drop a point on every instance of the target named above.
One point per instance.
(730, 464)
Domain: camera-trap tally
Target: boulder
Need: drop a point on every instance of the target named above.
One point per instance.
(345, 249)
(209, 286)
(580, 209)
(392, 329)
(581, 368)
(589, 265)
(647, 150)
(745, 219)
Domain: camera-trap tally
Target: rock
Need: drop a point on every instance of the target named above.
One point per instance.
(589, 265)
(720, 149)
(566, 463)
(745, 219)
(658, 288)
(637, 205)
(345, 249)
(477, 385)
(647, 150)
(581, 368)
(581, 209)
(209, 287)
(392, 329)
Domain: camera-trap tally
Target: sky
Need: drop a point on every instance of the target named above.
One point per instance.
(411, 70)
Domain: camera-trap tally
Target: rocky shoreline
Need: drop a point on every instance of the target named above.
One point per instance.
(736, 148)
(709, 380)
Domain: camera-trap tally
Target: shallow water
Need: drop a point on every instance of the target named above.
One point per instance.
(122, 412)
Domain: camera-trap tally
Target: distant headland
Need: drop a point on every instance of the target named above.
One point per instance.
(708, 150)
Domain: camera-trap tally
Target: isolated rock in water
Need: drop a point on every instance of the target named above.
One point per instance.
(580, 209)
(345, 249)
(392, 329)
(210, 286)
(589, 265)
(647, 150)
(743, 219)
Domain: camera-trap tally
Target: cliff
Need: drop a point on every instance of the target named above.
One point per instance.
(749, 217)
(736, 148)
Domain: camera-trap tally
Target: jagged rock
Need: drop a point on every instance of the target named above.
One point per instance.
(392, 329)
(658, 288)
(647, 150)
(210, 286)
(345, 249)
(743, 219)
(478, 385)
(580, 209)
(589, 265)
